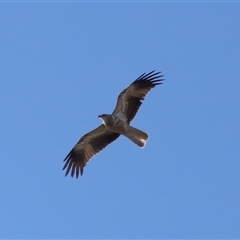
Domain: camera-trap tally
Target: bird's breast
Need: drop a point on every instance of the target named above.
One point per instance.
(116, 125)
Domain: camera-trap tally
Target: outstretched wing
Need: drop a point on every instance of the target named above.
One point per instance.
(130, 99)
(89, 145)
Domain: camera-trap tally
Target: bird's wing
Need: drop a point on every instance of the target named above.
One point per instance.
(89, 145)
(130, 99)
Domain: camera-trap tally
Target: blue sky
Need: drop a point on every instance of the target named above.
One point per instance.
(63, 64)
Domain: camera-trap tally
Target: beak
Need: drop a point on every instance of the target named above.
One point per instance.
(99, 116)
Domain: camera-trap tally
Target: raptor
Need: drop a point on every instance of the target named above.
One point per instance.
(115, 124)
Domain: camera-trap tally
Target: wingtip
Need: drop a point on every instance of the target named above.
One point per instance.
(153, 76)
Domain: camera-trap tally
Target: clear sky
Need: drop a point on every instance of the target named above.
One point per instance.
(63, 64)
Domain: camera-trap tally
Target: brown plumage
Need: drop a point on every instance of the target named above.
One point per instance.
(89, 145)
(135, 93)
(115, 124)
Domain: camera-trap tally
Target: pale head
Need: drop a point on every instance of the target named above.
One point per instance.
(104, 117)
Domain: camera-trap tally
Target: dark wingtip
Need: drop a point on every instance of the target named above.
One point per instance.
(77, 172)
(69, 166)
(153, 76)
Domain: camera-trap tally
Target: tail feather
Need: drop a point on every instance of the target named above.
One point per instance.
(137, 136)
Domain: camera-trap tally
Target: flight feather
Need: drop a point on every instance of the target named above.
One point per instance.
(130, 99)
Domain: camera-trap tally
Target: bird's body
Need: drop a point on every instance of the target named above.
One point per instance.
(114, 125)
(118, 124)
(114, 122)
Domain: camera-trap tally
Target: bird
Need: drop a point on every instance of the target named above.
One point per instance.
(113, 125)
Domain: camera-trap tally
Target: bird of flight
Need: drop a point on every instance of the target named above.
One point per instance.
(114, 125)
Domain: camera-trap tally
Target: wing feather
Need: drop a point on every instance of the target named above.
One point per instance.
(89, 145)
(130, 99)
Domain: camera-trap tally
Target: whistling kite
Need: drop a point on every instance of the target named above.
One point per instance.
(115, 124)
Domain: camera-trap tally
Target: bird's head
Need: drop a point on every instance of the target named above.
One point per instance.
(104, 117)
(101, 115)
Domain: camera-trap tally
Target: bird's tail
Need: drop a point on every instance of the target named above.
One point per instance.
(137, 136)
